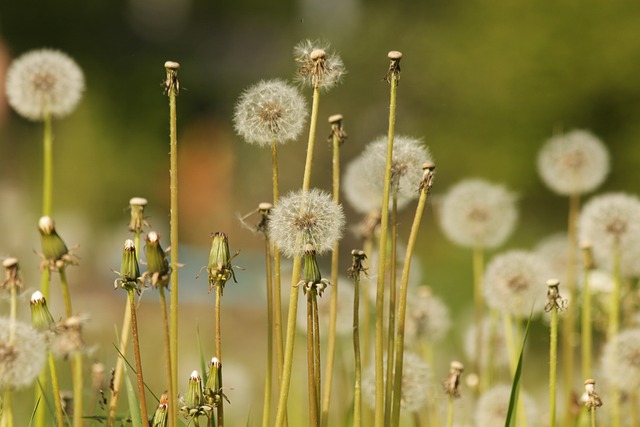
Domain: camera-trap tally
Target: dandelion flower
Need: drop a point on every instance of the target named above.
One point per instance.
(427, 317)
(270, 111)
(43, 82)
(621, 360)
(416, 378)
(478, 213)
(514, 281)
(612, 223)
(493, 405)
(573, 163)
(493, 343)
(20, 362)
(318, 66)
(305, 217)
(409, 154)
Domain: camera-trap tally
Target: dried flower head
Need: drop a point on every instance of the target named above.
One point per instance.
(621, 360)
(514, 281)
(44, 82)
(11, 279)
(66, 338)
(492, 345)
(493, 405)
(573, 163)
(305, 217)
(451, 383)
(554, 299)
(612, 223)
(319, 67)
(137, 205)
(590, 398)
(478, 213)
(427, 317)
(416, 387)
(21, 356)
(409, 154)
(270, 111)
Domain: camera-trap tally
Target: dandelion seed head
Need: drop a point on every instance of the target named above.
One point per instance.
(573, 163)
(66, 339)
(428, 317)
(493, 342)
(554, 249)
(318, 65)
(22, 360)
(270, 111)
(621, 360)
(515, 281)
(305, 217)
(358, 191)
(416, 383)
(493, 405)
(42, 82)
(409, 154)
(475, 212)
(612, 223)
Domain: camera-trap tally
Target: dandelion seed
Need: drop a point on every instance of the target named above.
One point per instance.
(612, 223)
(514, 281)
(303, 218)
(319, 67)
(270, 111)
(43, 82)
(22, 360)
(574, 163)
(621, 360)
(478, 213)
(493, 406)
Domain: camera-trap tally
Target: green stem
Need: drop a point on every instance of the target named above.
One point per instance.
(47, 184)
(220, 408)
(277, 301)
(136, 352)
(313, 410)
(392, 310)
(57, 401)
(266, 407)
(509, 338)
(478, 300)
(317, 373)
(586, 326)
(357, 394)
(402, 308)
(450, 412)
(78, 376)
(167, 347)
(592, 411)
(6, 419)
(119, 369)
(313, 123)
(65, 292)
(382, 257)
(553, 362)
(614, 327)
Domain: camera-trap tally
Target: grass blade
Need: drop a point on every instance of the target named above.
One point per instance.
(515, 387)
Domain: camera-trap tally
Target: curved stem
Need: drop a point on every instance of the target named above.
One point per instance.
(136, 352)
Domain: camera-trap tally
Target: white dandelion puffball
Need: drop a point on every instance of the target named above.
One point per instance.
(612, 223)
(318, 66)
(493, 405)
(427, 318)
(20, 362)
(621, 360)
(358, 191)
(515, 281)
(43, 82)
(574, 163)
(270, 111)
(409, 154)
(305, 217)
(493, 343)
(475, 212)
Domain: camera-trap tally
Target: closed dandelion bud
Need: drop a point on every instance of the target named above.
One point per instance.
(157, 264)
(41, 317)
(53, 247)
(11, 279)
(194, 398)
(129, 270)
(160, 418)
(219, 267)
(213, 387)
(311, 278)
(137, 221)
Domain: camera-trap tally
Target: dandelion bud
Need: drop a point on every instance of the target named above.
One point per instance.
(219, 267)
(157, 264)
(137, 221)
(194, 398)
(160, 418)
(12, 278)
(311, 278)
(129, 270)
(53, 247)
(41, 317)
(213, 387)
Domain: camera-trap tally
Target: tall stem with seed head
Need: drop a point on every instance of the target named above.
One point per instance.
(392, 309)
(266, 407)
(277, 302)
(394, 75)
(478, 300)
(614, 327)
(138, 360)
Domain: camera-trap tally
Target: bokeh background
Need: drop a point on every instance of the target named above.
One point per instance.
(483, 83)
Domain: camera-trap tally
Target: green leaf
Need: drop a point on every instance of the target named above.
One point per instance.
(132, 398)
(515, 387)
(203, 363)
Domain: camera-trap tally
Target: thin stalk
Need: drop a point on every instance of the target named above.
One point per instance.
(167, 348)
(6, 419)
(450, 412)
(382, 256)
(313, 123)
(633, 404)
(392, 310)
(65, 292)
(136, 352)
(553, 362)
(592, 412)
(266, 407)
(57, 401)
(614, 327)
(586, 331)
(119, 369)
(478, 301)
(220, 407)
(172, 89)
(313, 409)
(509, 338)
(357, 394)
(316, 352)
(47, 178)
(568, 324)
(333, 308)
(277, 301)
(402, 307)
(40, 415)
(77, 366)
(366, 310)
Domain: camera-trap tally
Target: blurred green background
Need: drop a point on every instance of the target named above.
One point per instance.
(484, 83)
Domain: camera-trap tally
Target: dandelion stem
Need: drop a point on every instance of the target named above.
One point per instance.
(220, 408)
(6, 419)
(65, 292)
(316, 352)
(333, 308)
(119, 369)
(266, 407)
(313, 123)
(136, 352)
(167, 347)
(392, 309)
(47, 184)
(402, 307)
(313, 410)
(553, 362)
(382, 255)
(450, 412)
(57, 401)
(586, 326)
(614, 326)
(77, 365)
(277, 314)
(592, 412)
(478, 273)
(357, 394)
